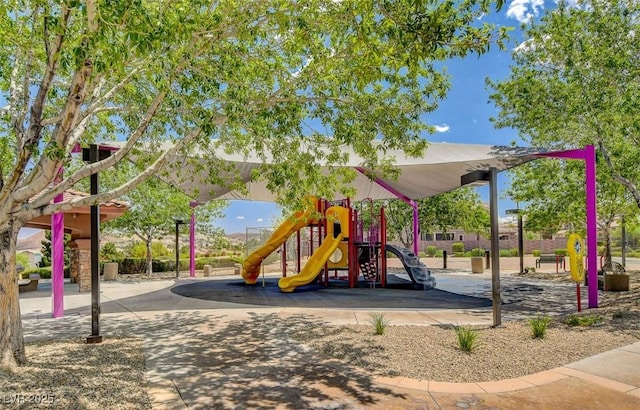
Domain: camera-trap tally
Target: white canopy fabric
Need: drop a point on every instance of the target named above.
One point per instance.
(439, 170)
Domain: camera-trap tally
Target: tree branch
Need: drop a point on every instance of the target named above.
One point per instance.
(630, 186)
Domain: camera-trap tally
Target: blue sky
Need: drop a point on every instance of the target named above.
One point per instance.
(462, 118)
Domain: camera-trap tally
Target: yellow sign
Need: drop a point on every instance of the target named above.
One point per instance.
(575, 248)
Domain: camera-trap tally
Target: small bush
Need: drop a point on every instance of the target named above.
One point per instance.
(422, 254)
(536, 253)
(379, 323)
(431, 251)
(477, 252)
(505, 253)
(457, 247)
(514, 252)
(45, 273)
(560, 252)
(467, 338)
(539, 326)
(439, 253)
(583, 320)
(458, 254)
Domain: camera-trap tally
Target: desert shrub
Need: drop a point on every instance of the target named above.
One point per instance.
(477, 252)
(439, 253)
(505, 252)
(514, 252)
(109, 252)
(422, 254)
(583, 320)
(467, 338)
(457, 247)
(539, 325)
(45, 272)
(379, 323)
(560, 252)
(431, 251)
(536, 253)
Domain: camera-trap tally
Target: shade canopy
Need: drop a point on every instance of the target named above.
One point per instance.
(438, 170)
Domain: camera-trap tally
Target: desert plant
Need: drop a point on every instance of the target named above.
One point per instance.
(379, 323)
(477, 252)
(505, 253)
(536, 252)
(467, 338)
(561, 252)
(539, 325)
(583, 320)
(514, 252)
(457, 247)
(439, 253)
(431, 251)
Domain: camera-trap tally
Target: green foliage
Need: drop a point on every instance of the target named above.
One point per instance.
(457, 247)
(46, 249)
(505, 253)
(539, 325)
(22, 259)
(514, 252)
(563, 94)
(379, 322)
(431, 251)
(422, 254)
(477, 252)
(439, 253)
(44, 272)
(583, 320)
(561, 252)
(461, 208)
(139, 250)
(536, 253)
(109, 252)
(467, 338)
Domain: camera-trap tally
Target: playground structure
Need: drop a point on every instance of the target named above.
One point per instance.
(350, 242)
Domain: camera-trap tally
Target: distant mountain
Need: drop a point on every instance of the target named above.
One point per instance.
(32, 243)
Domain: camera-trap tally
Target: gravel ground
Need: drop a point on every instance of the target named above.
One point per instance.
(432, 353)
(70, 374)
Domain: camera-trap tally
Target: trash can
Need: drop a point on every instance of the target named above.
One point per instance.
(477, 264)
(111, 271)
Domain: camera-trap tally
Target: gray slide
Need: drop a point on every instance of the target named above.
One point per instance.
(418, 272)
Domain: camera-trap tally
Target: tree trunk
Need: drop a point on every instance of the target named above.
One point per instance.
(11, 341)
(149, 256)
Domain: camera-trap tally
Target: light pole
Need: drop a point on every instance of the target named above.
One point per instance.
(178, 223)
(520, 236)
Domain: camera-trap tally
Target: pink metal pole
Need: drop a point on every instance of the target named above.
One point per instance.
(192, 240)
(57, 257)
(588, 155)
(592, 233)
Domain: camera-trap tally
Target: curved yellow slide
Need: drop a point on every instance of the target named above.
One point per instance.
(251, 265)
(314, 265)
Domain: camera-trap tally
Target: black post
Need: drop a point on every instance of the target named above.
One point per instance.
(444, 259)
(487, 259)
(520, 243)
(178, 223)
(95, 249)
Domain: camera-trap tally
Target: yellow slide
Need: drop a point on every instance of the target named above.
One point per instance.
(314, 265)
(251, 265)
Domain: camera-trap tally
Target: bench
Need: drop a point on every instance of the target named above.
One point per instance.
(613, 277)
(557, 259)
(30, 286)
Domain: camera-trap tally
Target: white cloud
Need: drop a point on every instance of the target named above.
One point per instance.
(239, 217)
(524, 10)
(259, 220)
(441, 128)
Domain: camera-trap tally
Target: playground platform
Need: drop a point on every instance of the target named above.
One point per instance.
(282, 374)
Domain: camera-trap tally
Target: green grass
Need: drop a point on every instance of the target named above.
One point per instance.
(467, 338)
(539, 325)
(583, 320)
(379, 323)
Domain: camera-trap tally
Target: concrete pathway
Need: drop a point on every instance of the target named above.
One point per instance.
(210, 354)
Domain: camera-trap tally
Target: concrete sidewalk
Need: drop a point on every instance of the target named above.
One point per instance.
(211, 354)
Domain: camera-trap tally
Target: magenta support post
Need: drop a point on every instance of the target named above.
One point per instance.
(57, 257)
(404, 198)
(192, 240)
(588, 155)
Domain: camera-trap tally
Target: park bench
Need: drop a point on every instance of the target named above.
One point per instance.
(557, 259)
(31, 285)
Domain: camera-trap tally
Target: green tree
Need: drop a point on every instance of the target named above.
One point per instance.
(460, 208)
(268, 77)
(575, 82)
(153, 209)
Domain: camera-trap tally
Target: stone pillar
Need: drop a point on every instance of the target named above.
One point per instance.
(80, 271)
